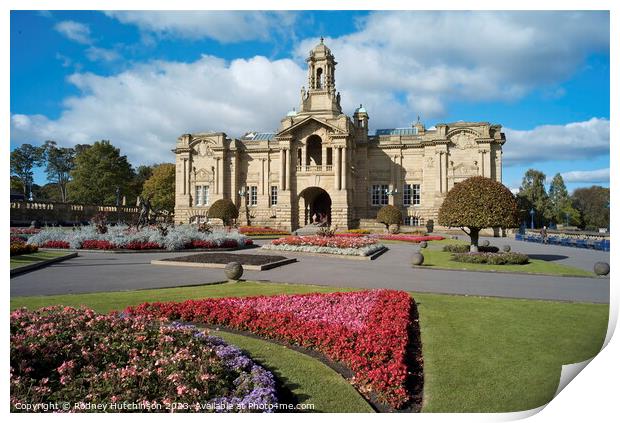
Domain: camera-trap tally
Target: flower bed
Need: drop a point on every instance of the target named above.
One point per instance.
(369, 331)
(19, 246)
(124, 237)
(257, 230)
(349, 246)
(491, 258)
(409, 238)
(67, 355)
(25, 231)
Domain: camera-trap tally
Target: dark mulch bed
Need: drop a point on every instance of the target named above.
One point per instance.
(225, 258)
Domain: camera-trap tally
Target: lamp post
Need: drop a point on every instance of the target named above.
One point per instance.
(532, 213)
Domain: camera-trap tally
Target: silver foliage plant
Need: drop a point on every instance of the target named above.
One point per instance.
(122, 235)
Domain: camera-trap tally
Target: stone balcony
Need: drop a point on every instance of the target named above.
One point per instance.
(315, 169)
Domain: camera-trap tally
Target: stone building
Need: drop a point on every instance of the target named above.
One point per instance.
(322, 163)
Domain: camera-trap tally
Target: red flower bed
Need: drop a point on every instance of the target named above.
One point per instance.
(258, 230)
(351, 234)
(137, 245)
(370, 331)
(55, 244)
(92, 244)
(323, 241)
(410, 238)
(228, 243)
(26, 231)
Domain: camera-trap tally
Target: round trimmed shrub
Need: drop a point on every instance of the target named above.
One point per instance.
(491, 258)
(233, 271)
(601, 268)
(417, 259)
(423, 244)
(224, 209)
(506, 248)
(389, 215)
(485, 243)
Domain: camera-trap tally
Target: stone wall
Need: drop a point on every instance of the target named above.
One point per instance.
(52, 213)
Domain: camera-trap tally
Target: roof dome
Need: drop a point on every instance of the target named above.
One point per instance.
(360, 109)
(291, 113)
(321, 48)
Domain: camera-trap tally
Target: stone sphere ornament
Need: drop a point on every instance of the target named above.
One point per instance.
(423, 244)
(506, 248)
(601, 268)
(486, 243)
(233, 271)
(417, 259)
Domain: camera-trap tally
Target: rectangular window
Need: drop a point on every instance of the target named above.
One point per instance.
(411, 194)
(198, 196)
(274, 195)
(205, 195)
(253, 195)
(413, 221)
(379, 195)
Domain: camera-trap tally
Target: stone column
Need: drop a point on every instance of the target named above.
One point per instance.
(233, 178)
(499, 165)
(217, 175)
(323, 157)
(282, 169)
(304, 158)
(481, 162)
(220, 177)
(343, 154)
(439, 172)
(185, 182)
(262, 176)
(336, 162)
(487, 163)
(287, 174)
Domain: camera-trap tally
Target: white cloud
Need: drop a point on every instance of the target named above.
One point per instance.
(96, 54)
(224, 26)
(577, 140)
(432, 58)
(75, 31)
(593, 176)
(143, 110)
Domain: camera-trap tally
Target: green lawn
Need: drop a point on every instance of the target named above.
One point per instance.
(25, 259)
(311, 381)
(480, 354)
(435, 257)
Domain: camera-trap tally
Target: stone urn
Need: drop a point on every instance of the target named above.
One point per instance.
(506, 248)
(485, 243)
(423, 244)
(417, 259)
(233, 271)
(601, 268)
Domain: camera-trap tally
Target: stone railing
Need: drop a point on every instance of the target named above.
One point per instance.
(54, 213)
(315, 168)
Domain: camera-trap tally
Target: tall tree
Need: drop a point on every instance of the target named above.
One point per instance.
(160, 187)
(560, 203)
(533, 193)
(593, 205)
(59, 162)
(23, 160)
(478, 203)
(99, 171)
(143, 173)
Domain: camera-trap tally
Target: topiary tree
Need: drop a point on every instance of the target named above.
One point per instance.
(224, 209)
(478, 203)
(389, 215)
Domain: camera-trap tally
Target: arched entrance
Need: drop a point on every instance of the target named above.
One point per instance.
(316, 204)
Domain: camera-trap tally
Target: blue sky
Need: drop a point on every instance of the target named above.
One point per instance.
(140, 79)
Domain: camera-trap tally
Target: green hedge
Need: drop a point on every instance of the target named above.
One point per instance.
(464, 248)
(491, 258)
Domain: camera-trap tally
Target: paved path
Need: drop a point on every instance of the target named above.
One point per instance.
(98, 272)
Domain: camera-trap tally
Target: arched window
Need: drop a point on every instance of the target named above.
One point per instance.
(319, 78)
(314, 150)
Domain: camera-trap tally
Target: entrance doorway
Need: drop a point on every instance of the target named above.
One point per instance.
(317, 206)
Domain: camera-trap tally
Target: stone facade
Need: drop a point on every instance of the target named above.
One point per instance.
(323, 162)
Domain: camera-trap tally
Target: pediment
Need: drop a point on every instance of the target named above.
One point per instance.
(309, 121)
